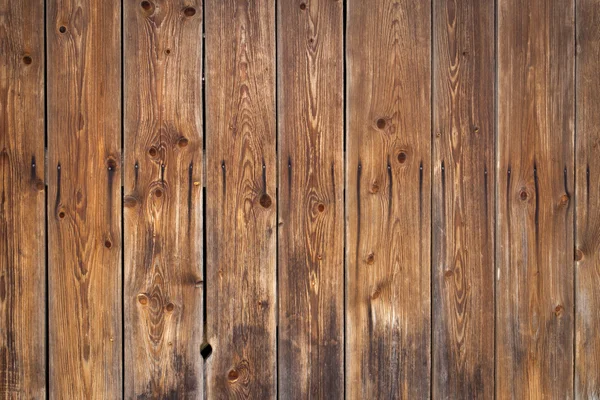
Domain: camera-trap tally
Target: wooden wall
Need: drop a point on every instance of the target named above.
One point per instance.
(299, 199)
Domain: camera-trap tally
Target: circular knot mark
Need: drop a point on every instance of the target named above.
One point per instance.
(265, 200)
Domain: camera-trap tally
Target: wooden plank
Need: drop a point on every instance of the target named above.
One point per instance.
(311, 214)
(388, 199)
(163, 199)
(463, 199)
(84, 199)
(587, 252)
(22, 201)
(241, 198)
(535, 184)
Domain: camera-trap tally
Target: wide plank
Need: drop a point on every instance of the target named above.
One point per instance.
(388, 197)
(22, 201)
(241, 204)
(587, 232)
(84, 198)
(163, 294)
(463, 199)
(311, 192)
(535, 305)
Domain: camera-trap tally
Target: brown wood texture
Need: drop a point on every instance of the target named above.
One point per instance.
(587, 234)
(241, 175)
(311, 210)
(463, 206)
(22, 201)
(535, 304)
(388, 199)
(163, 296)
(299, 199)
(84, 199)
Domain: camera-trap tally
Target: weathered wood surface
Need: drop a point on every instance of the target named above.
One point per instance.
(587, 233)
(388, 199)
(163, 296)
(535, 304)
(241, 175)
(22, 204)
(363, 199)
(84, 198)
(311, 208)
(463, 206)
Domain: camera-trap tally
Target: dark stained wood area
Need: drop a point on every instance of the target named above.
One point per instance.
(299, 199)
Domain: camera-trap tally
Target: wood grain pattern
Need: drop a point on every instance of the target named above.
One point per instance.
(463, 199)
(22, 201)
(311, 213)
(241, 205)
(535, 302)
(84, 200)
(388, 199)
(587, 242)
(163, 199)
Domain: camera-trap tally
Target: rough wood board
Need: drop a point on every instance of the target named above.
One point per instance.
(535, 183)
(84, 199)
(163, 199)
(388, 199)
(587, 253)
(311, 210)
(22, 201)
(241, 204)
(463, 199)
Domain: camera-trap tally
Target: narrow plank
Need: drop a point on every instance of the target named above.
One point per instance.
(587, 253)
(463, 199)
(241, 198)
(535, 184)
(311, 213)
(84, 199)
(388, 199)
(163, 199)
(22, 201)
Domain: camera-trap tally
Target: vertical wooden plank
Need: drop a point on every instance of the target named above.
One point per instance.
(241, 198)
(388, 199)
(163, 199)
(22, 201)
(463, 199)
(535, 185)
(587, 253)
(311, 214)
(84, 200)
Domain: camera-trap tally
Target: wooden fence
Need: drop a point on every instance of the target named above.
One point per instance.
(363, 199)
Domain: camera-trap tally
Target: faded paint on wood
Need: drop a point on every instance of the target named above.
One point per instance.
(22, 204)
(388, 199)
(535, 308)
(587, 242)
(241, 191)
(163, 296)
(311, 210)
(84, 198)
(463, 199)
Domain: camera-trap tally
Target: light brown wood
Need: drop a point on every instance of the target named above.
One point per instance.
(241, 174)
(22, 201)
(587, 242)
(163, 199)
(535, 305)
(311, 211)
(463, 208)
(388, 199)
(84, 199)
